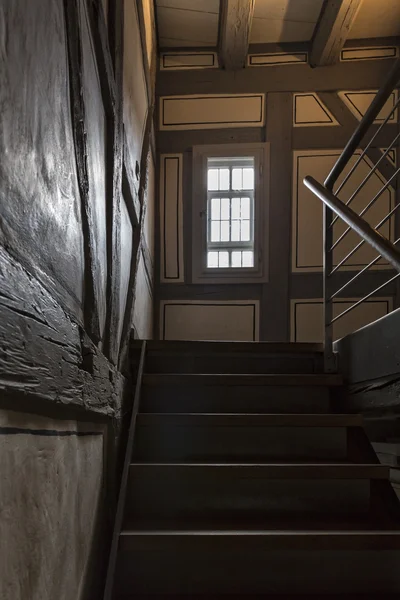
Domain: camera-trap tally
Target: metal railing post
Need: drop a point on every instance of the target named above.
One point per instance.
(329, 359)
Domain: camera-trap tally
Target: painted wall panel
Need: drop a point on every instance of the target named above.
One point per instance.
(373, 53)
(307, 323)
(96, 143)
(50, 496)
(211, 111)
(310, 111)
(358, 103)
(135, 91)
(207, 320)
(173, 61)
(171, 218)
(39, 196)
(307, 210)
(275, 59)
(143, 309)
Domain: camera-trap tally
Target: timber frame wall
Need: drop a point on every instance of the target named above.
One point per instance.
(287, 287)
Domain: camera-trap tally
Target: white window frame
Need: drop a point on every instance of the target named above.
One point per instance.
(259, 272)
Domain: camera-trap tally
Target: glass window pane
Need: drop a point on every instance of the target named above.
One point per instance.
(235, 231)
(212, 259)
(215, 209)
(224, 231)
(212, 179)
(225, 209)
(245, 233)
(223, 259)
(248, 258)
(236, 259)
(215, 236)
(248, 179)
(237, 179)
(245, 204)
(235, 208)
(224, 179)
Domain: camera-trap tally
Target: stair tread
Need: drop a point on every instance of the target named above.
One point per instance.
(278, 470)
(244, 379)
(246, 419)
(207, 347)
(277, 522)
(382, 533)
(271, 540)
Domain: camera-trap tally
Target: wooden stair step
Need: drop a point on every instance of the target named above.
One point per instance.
(241, 438)
(269, 379)
(269, 562)
(233, 490)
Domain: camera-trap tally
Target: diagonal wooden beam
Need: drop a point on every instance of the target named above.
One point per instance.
(234, 32)
(332, 29)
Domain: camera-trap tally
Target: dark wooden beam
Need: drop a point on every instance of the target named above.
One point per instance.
(234, 32)
(333, 27)
(75, 63)
(112, 59)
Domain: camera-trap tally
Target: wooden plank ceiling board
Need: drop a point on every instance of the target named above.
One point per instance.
(277, 21)
(377, 18)
(187, 24)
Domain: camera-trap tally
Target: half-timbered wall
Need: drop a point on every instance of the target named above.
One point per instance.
(77, 189)
(307, 115)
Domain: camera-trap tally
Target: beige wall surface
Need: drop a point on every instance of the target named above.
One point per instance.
(50, 496)
(307, 117)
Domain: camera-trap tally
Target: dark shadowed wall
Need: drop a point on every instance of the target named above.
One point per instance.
(77, 187)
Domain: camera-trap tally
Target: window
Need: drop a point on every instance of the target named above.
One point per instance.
(230, 212)
(230, 207)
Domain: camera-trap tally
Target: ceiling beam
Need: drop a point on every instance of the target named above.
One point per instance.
(234, 32)
(331, 31)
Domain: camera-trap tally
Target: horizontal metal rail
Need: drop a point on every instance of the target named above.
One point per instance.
(357, 223)
(367, 177)
(353, 306)
(372, 112)
(358, 246)
(357, 275)
(370, 203)
(367, 147)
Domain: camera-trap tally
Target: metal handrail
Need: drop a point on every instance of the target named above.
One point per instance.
(357, 223)
(335, 208)
(373, 111)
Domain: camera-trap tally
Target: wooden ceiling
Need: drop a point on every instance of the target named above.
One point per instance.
(215, 23)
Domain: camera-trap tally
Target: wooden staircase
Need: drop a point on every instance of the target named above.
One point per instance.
(243, 481)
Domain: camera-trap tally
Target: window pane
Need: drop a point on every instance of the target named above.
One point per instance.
(248, 258)
(225, 209)
(212, 259)
(235, 208)
(237, 179)
(248, 179)
(224, 231)
(245, 204)
(215, 208)
(245, 233)
(215, 236)
(224, 179)
(235, 231)
(236, 259)
(212, 179)
(223, 259)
